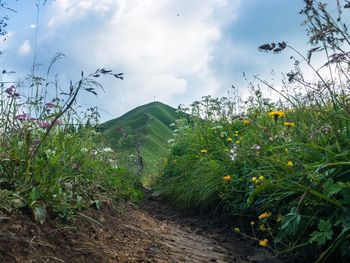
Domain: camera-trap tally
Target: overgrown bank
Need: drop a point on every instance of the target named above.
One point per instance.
(284, 165)
(52, 161)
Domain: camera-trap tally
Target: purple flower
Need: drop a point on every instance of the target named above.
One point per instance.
(11, 90)
(36, 142)
(50, 105)
(45, 125)
(22, 117)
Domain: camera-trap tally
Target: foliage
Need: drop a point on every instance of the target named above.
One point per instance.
(283, 164)
(52, 161)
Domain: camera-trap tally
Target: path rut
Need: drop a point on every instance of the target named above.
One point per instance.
(150, 232)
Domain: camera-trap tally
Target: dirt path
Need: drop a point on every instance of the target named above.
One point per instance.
(151, 232)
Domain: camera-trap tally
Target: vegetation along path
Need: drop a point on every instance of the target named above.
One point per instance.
(150, 232)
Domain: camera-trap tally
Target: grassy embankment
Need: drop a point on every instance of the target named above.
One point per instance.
(284, 167)
(51, 163)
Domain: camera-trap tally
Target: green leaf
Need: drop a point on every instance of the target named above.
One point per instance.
(40, 213)
(291, 221)
(80, 202)
(34, 195)
(325, 232)
(346, 195)
(325, 225)
(18, 203)
(97, 204)
(332, 188)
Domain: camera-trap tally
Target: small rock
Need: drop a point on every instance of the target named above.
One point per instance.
(155, 195)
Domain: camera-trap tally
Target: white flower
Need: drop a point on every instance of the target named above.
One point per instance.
(50, 153)
(233, 153)
(107, 150)
(171, 141)
(256, 147)
(172, 124)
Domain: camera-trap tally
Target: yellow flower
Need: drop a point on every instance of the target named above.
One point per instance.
(246, 122)
(204, 151)
(254, 179)
(238, 142)
(264, 215)
(289, 124)
(263, 242)
(227, 178)
(237, 230)
(261, 178)
(252, 223)
(235, 134)
(277, 114)
(229, 139)
(290, 164)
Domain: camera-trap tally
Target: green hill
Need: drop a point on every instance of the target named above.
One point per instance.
(140, 137)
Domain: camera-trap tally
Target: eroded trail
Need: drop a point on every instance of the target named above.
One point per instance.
(150, 232)
(181, 239)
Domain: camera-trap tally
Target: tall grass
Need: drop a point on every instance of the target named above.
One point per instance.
(52, 161)
(285, 165)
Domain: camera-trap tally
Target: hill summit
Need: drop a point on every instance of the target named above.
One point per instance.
(140, 136)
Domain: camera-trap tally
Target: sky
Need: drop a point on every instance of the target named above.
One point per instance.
(173, 51)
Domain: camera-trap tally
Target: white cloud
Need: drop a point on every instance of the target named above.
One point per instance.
(65, 11)
(164, 47)
(25, 48)
(32, 26)
(162, 88)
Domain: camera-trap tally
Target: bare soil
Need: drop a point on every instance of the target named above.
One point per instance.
(149, 232)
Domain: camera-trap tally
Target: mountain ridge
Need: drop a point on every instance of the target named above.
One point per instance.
(139, 137)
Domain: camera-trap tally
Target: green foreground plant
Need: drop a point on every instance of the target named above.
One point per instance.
(284, 165)
(52, 160)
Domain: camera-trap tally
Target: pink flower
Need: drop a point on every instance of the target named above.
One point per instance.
(22, 117)
(50, 105)
(11, 91)
(45, 124)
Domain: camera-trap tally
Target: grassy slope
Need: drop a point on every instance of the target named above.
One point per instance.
(148, 126)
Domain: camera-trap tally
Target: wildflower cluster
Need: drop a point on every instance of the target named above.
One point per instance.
(289, 158)
(50, 151)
